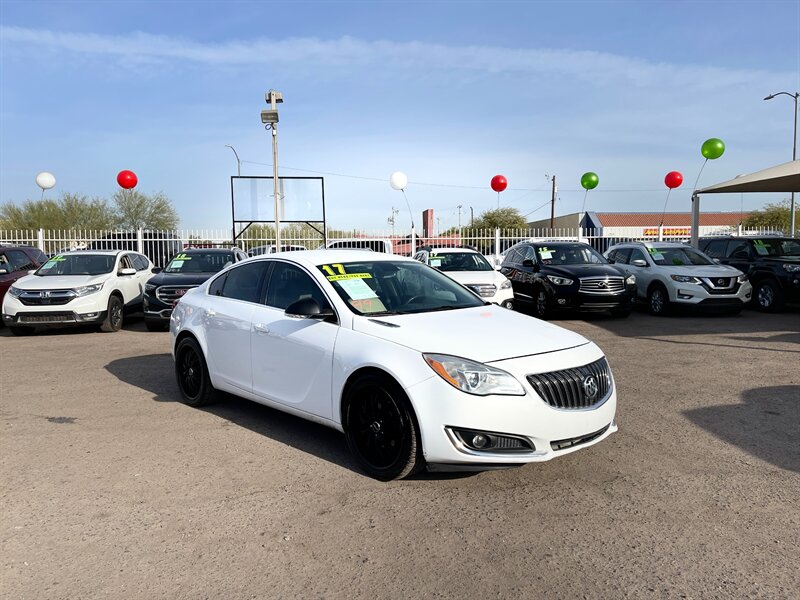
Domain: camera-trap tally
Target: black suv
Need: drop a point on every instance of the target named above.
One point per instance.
(186, 270)
(567, 275)
(772, 264)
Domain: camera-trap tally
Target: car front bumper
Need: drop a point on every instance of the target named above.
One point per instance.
(91, 309)
(697, 296)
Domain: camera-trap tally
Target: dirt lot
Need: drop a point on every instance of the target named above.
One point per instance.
(112, 488)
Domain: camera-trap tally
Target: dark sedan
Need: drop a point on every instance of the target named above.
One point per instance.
(552, 276)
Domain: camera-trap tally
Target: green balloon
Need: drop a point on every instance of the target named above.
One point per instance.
(713, 148)
(589, 180)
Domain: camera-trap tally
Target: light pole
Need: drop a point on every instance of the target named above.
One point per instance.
(238, 162)
(270, 119)
(796, 95)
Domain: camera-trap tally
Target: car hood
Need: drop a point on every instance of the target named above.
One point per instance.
(480, 277)
(705, 271)
(573, 271)
(58, 282)
(483, 333)
(180, 278)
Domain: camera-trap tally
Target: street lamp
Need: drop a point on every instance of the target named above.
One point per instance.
(270, 119)
(238, 162)
(796, 95)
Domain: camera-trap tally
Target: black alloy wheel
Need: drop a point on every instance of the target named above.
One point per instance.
(540, 304)
(509, 304)
(768, 296)
(191, 373)
(380, 429)
(114, 317)
(658, 300)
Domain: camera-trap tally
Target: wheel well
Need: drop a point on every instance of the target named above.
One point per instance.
(118, 294)
(183, 335)
(355, 376)
(654, 285)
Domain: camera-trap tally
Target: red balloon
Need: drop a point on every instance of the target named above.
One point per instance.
(499, 183)
(127, 179)
(673, 179)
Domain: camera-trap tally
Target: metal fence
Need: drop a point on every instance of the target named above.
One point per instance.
(160, 246)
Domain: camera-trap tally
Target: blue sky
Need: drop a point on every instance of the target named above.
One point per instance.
(451, 93)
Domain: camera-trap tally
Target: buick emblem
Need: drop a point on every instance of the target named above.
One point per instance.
(590, 387)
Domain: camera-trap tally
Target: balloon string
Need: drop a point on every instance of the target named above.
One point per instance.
(663, 212)
(698, 175)
(410, 214)
(586, 193)
(498, 200)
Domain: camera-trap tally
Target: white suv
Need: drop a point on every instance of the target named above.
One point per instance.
(673, 274)
(471, 269)
(77, 288)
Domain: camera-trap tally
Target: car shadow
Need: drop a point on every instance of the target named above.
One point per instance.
(154, 374)
(764, 425)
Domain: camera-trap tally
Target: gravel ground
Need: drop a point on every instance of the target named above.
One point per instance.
(112, 488)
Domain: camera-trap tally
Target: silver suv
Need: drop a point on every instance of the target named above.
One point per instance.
(671, 274)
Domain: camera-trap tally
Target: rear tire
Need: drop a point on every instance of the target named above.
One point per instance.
(658, 300)
(21, 331)
(768, 296)
(114, 316)
(191, 372)
(381, 430)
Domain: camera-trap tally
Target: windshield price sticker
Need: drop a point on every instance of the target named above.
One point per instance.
(182, 256)
(436, 262)
(545, 253)
(350, 276)
(176, 263)
(655, 254)
(357, 289)
(761, 247)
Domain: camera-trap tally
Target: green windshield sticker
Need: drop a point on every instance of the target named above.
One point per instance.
(545, 253)
(350, 276)
(761, 247)
(182, 256)
(176, 264)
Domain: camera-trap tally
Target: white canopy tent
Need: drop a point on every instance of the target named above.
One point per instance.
(780, 178)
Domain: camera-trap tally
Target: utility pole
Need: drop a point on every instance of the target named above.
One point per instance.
(459, 220)
(393, 218)
(553, 205)
(471, 217)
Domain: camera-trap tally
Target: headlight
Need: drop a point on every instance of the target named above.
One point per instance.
(150, 287)
(559, 280)
(630, 280)
(742, 278)
(14, 291)
(473, 377)
(791, 268)
(505, 285)
(88, 289)
(684, 278)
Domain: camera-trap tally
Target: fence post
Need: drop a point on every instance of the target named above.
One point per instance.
(739, 229)
(661, 233)
(41, 240)
(496, 243)
(580, 234)
(140, 241)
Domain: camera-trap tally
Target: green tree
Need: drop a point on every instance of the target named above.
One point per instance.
(504, 218)
(772, 216)
(69, 212)
(134, 210)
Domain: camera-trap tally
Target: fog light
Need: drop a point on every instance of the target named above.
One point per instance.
(562, 301)
(684, 295)
(479, 441)
(88, 316)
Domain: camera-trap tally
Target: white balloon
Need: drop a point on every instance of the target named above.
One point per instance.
(45, 180)
(398, 180)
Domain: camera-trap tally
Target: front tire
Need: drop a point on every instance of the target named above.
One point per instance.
(381, 430)
(658, 300)
(768, 296)
(191, 372)
(113, 321)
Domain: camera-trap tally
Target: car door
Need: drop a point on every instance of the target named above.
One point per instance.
(644, 275)
(130, 285)
(738, 255)
(292, 357)
(229, 306)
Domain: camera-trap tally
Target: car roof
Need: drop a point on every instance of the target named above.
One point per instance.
(450, 249)
(192, 250)
(97, 252)
(314, 258)
(651, 244)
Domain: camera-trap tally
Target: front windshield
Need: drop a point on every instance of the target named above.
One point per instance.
(199, 262)
(569, 254)
(679, 257)
(459, 261)
(77, 264)
(777, 247)
(396, 288)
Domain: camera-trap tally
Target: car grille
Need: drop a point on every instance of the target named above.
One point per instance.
(46, 297)
(602, 285)
(720, 285)
(50, 317)
(171, 293)
(484, 290)
(578, 388)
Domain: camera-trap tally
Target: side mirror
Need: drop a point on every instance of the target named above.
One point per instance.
(126, 272)
(639, 262)
(716, 260)
(308, 308)
(155, 270)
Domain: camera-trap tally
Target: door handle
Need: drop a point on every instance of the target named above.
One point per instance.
(261, 328)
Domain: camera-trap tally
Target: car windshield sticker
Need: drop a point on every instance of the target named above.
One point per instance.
(357, 289)
(182, 256)
(761, 248)
(545, 253)
(655, 254)
(332, 270)
(175, 264)
(436, 262)
(52, 262)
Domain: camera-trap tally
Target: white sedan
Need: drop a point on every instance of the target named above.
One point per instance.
(412, 367)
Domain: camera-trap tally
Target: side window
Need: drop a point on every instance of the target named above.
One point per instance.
(716, 248)
(140, 263)
(513, 256)
(289, 284)
(5, 263)
(739, 246)
(529, 253)
(215, 289)
(244, 283)
(125, 262)
(637, 254)
(20, 261)
(622, 256)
